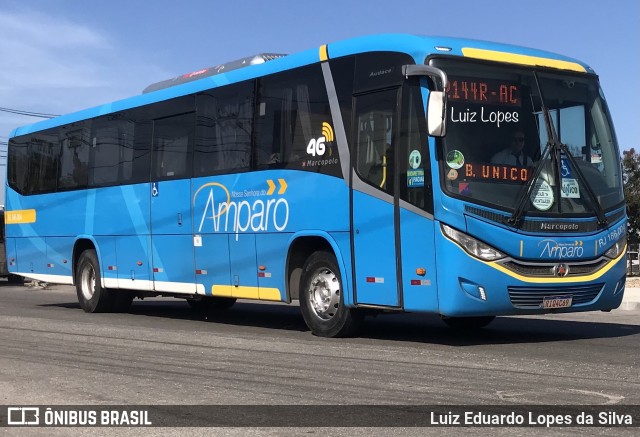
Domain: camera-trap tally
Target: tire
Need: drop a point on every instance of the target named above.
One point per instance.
(15, 279)
(92, 297)
(468, 323)
(211, 303)
(322, 298)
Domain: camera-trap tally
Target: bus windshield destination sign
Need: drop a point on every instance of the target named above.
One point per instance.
(483, 91)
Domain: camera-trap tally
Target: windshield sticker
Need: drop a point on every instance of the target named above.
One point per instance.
(463, 188)
(455, 159)
(565, 168)
(596, 158)
(570, 189)
(415, 159)
(542, 196)
(415, 178)
(452, 175)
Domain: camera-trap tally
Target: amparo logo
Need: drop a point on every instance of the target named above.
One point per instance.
(553, 249)
(241, 211)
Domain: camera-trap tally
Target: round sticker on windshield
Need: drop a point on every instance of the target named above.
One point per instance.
(542, 196)
(455, 159)
(415, 159)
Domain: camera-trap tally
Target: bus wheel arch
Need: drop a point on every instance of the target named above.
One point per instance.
(87, 277)
(322, 298)
(80, 246)
(300, 249)
(93, 298)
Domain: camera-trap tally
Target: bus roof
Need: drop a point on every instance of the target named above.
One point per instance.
(419, 47)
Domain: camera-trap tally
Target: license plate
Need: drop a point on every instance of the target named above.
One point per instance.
(557, 302)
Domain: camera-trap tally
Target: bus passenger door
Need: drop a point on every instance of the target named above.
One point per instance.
(173, 262)
(374, 236)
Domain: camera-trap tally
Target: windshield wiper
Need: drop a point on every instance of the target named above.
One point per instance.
(593, 199)
(557, 148)
(515, 218)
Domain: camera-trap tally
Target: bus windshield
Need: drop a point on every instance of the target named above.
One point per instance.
(499, 137)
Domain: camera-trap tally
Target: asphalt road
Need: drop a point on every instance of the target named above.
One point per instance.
(163, 352)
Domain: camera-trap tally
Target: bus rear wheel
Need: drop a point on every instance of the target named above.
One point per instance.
(93, 298)
(468, 323)
(322, 298)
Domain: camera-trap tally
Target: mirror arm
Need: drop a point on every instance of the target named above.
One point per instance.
(425, 70)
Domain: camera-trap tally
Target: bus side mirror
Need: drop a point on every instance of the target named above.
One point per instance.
(436, 114)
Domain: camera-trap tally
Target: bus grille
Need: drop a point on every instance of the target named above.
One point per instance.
(546, 269)
(531, 297)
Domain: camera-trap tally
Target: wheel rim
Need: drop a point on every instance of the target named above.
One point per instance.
(88, 281)
(324, 294)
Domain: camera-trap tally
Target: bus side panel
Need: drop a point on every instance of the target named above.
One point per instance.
(375, 255)
(33, 255)
(59, 255)
(12, 255)
(173, 267)
(271, 251)
(108, 261)
(420, 291)
(120, 210)
(244, 270)
(343, 254)
(134, 271)
(212, 261)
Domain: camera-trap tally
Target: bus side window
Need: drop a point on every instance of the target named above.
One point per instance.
(414, 163)
(44, 152)
(18, 164)
(223, 129)
(112, 151)
(374, 138)
(172, 145)
(74, 157)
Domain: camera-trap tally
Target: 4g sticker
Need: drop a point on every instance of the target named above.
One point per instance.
(317, 146)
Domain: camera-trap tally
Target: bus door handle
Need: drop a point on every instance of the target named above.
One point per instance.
(179, 219)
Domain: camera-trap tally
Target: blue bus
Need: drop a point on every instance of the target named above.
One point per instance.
(384, 173)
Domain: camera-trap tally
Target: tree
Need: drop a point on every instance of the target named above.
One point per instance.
(631, 179)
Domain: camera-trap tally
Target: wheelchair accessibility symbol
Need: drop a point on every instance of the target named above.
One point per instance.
(154, 189)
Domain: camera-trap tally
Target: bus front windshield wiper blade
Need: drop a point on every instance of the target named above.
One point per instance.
(556, 149)
(515, 218)
(591, 196)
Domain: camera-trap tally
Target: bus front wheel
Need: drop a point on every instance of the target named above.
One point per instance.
(468, 323)
(92, 297)
(322, 298)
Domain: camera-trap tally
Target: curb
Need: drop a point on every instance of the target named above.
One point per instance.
(631, 299)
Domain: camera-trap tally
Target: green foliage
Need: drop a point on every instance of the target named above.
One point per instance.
(631, 179)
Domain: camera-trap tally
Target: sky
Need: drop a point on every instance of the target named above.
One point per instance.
(61, 56)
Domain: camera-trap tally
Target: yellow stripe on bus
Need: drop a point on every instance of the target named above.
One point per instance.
(555, 279)
(513, 58)
(20, 216)
(547, 280)
(257, 293)
(324, 53)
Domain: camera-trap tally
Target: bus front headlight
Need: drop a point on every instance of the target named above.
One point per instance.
(617, 249)
(472, 246)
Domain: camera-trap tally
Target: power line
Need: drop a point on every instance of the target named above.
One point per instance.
(28, 113)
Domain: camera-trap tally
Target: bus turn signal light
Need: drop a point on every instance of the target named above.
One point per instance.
(421, 271)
